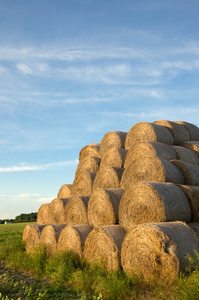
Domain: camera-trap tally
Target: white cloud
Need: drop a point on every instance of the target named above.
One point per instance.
(45, 199)
(24, 69)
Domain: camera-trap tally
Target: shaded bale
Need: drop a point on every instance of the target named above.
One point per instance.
(72, 238)
(57, 210)
(190, 172)
(65, 191)
(103, 246)
(76, 210)
(192, 194)
(151, 168)
(114, 157)
(83, 183)
(108, 177)
(157, 253)
(50, 235)
(103, 206)
(150, 132)
(150, 202)
(186, 155)
(33, 237)
(43, 217)
(90, 163)
(193, 130)
(112, 139)
(89, 150)
(141, 148)
(195, 228)
(179, 131)
(193, 145)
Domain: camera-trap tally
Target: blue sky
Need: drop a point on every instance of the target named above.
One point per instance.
(72, 70)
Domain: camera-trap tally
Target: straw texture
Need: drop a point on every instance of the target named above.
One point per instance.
(49, 236)
(33, 237)
(114, 157)
(112, 139)
(186, 155)
(76, 210)
(193, 145)
(108, 177)
(190, 172)
(26, 232)
(43, 216)
(83, 183)
(65, 191)
(192, 194)
(193, 130)
(57, 210)
(90, 163)
(89, 150)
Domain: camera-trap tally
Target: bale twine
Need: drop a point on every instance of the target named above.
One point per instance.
(192, 194)
(193, 145)
(190, 172)
(150, 202)
(148, 131)
(76, 210)
(141, 148)
(103, 246)
(112, 139)
(57, 210)
(43, 216)
(114, 157)
(65, 191)
(108, 177)
(33, 237)
(103, 206)
(90, 163)
(151, 168)
(179, 131)
(193, 130)
(49, 236)
(89, 150)
(186, 155)
(83, 183)
(157, 253)
(72, 238)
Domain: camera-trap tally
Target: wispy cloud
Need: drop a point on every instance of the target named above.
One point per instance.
(24, 69)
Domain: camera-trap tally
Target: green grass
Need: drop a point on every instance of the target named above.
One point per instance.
(62, 276)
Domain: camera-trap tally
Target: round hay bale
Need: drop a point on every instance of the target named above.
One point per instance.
(190, 172)
(90, 163)
(114, 157)
(72, 238)
(83, 183)
(151, 168)
(43, 216)
(193, 145)
(76, 210)
(192, 194)
(150, 202)
(33, 237)
(57, 210)
(179, 131)
(50, 235)
(157, 253)
(112, 139)
(103, 206)
(150, 132)
(186, 155)
(193, 130)
(65, 191)
(141, 148)
(108, 177)
(26, 232)
(195, 228)
(103, 246)
(89, 150)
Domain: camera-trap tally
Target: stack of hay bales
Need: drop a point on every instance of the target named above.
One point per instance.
(132, 203)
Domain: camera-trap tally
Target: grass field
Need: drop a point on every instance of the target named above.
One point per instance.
(62, 276)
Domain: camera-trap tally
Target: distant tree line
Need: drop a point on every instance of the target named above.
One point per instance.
(31, 217)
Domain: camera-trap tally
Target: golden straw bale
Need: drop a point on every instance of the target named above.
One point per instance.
(112, 139)
(57, 210)
(65, 191)
(193, 130)
(103, 206)
(190, 172)
(157, 252)
(179, 131)
(50, 235)
(150, 202)
(186, 155)
(114, 157)
(76, 210)
(193, 145)
(192, 194)
(89, 150)
(26, 232)
(43, 216)
(83, 183)
(150, 132)
(108, 177)
(103, 246)
(141, 148)
(72, 238)
(33, 237)
(89, 163)
(151, 168)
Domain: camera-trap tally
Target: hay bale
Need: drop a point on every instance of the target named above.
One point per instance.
(157, 253)
(76, 210)
(151, 168)
(72, 238)
(141, 148)
(114, 157)
(150, 202)
(43, 217)
(193, 130)
(103, 206)
(50, 235)
(150, 132)
(83, 183)
(108, 177)
(57, 210)
(90, 163)
(192, 194)
(193, 145)
(195, 228)
(179, 131)
(33, 237)
(190, 172)
(112, 139)
(103, 246)
(26, 232)
(65, 191)
(186, 155)
(89, 150)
